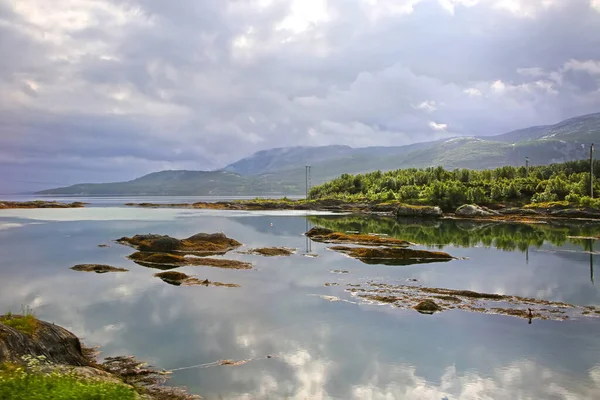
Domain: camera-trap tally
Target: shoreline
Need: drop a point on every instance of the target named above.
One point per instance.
(529, 214)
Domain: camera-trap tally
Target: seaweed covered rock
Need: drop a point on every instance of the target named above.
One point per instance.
(427, 307)
(57, 344)
(169, 261)
(471, 210)
(393, 256)
(172, 277)
(410, 211)
(201, 243)
(325, 235)
(180, 279)
(39, 204)
(271, 251)
(97, 268)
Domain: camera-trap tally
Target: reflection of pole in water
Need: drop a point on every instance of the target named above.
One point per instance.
(308, 241)
(592, 260)
(527, 256)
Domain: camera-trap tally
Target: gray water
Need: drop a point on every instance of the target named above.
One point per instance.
(319, 349)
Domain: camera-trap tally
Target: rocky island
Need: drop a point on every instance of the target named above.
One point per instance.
(4, 205)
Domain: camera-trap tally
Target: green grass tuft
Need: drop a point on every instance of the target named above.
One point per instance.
(18, 384)
(25, 323)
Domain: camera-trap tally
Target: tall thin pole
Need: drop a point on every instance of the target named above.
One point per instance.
(307, 173)
(592, 171)
(526, 167)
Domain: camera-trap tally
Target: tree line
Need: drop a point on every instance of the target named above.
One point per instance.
(568, 182)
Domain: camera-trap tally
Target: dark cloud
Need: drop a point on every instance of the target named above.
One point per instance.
(102, 90)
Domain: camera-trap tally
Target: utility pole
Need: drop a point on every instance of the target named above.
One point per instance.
(592, 171)
(307, 171)
(526, 167)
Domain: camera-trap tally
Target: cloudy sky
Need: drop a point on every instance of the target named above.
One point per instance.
(104, 90)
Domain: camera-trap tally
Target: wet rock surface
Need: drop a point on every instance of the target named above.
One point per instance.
(409, 211)
(171, 261)
(270, 251)
(393, 256)
(180, 279)
(199, 244)
(324, 235)
(97, 268)
(470, 210)
(423, 299)
(39, 204)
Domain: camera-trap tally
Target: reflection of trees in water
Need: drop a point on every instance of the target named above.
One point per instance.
(504, 236)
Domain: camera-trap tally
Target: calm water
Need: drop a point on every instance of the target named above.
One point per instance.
(320, 349)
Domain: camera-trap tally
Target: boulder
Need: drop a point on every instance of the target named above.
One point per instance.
(406, 210)
(57, 344)
(472, 210)
(427, 307)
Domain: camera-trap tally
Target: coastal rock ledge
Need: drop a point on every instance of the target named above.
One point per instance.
(406, 210)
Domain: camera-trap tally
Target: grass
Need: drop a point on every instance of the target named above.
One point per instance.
(16, 383)
(26, 323)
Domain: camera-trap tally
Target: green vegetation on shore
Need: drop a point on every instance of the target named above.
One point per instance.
(568, 182)
(37, 380)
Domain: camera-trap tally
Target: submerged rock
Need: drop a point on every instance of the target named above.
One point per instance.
(97, 268)
(471, 210)
(39, 204)
(324, 235)
(270, 251)
(393, 256)
(406, 210)
(427, 307)
(200, 244)
(429, 300)
(171, 261)
(179, 278)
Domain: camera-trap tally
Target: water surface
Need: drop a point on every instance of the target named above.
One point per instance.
(319, 349)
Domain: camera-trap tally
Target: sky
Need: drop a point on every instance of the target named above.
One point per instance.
(109, 90)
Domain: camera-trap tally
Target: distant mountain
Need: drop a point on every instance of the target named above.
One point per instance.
(281, 171)
(181, 183)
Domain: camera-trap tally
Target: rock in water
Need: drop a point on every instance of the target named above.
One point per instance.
(427, 307)
(418, 211)
(471, 210)
(97, 268)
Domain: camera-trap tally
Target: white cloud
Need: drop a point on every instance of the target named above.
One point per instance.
(134, 86)
(428, 106)
(498, 86)
(472, 92)
(595, 4)
(590, 66)
(438, 127)
(305, 14)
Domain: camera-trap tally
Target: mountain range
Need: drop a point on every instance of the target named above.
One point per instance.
(281, 171)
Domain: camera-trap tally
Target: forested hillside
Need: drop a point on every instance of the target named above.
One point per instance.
(558, 182)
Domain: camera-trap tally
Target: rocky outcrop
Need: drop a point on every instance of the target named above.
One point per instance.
(393, 256)
(405, 210)
(427, 307)
(170, 261)
(180, 279)
(472, 210)
(324, 235)
(421, 298)
(57, 344)
(97, 268)
(270, 251)
(199, 244)
(39, 204)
